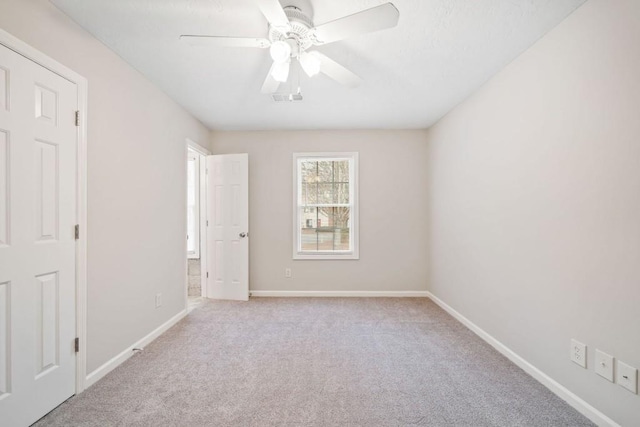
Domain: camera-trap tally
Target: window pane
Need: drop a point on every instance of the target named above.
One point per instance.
(192, 211)
(342, 239)
(309, 171)
(191, 182)
(341, 223)
(324, 229)
(325, 171)
(341, 217)
(309, 194)
(191, 241)
(325, 193)
(308, 236)
(341, 169)
(341, 193)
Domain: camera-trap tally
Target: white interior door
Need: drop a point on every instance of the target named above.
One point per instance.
(37, 246)
(228, 226)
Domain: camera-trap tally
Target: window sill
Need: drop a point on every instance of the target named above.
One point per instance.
(326, 256)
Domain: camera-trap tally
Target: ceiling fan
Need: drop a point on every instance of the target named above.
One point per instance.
(292, 33)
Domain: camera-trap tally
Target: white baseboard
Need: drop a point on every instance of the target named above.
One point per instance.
(360, 294)
(564, 393)
(103, 370)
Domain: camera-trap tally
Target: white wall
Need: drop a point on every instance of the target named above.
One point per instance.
(535, 202)
(392, 210)
(136, 182)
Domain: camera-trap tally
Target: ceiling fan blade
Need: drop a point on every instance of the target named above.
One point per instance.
(367, 21)
(270, 84)
(273, 11)
(336, 71)
(226, 41)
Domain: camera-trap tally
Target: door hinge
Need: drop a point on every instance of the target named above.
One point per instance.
(77, 345)
(207, 274)
(76, 231)
(77, 118)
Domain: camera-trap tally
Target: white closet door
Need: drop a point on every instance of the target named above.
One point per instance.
(228, 226)
(37, 247)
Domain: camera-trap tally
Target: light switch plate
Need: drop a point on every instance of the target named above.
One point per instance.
(627, 377)
(604, 365)
(578, 353)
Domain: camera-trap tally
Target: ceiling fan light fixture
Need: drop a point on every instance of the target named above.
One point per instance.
(310, 64)
(280, 71)
(280, 51)
(292, 32)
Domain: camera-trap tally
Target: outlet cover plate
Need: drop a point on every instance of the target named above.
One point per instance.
(604, 365)
(578, 353)
(627, 377)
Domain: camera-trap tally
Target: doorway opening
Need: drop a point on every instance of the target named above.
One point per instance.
(217, 208)
(196, 225)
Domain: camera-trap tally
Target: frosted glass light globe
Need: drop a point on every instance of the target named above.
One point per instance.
(310, 64)
(280, 71)
(280, 51)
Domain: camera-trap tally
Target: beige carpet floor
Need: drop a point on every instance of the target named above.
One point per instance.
(317, 362)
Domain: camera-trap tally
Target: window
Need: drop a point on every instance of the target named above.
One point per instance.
(193, 205)
(325, 206)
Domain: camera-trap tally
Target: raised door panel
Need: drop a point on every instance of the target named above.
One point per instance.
(4, 89)
(47, 197)
(4, 188)
(46, 102)
(47, 325)
(218, 254)
(5, 339)
(236, 263)
(218, 205)
(235, 206)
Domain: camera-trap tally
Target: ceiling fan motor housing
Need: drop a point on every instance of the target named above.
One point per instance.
(299, 33)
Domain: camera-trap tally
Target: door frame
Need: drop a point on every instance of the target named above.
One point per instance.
(13, 43)
(204, 152)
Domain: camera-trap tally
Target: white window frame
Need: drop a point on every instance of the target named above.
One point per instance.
(352, 254)
(195, 157)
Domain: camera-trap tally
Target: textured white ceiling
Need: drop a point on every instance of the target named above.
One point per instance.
(440, 53)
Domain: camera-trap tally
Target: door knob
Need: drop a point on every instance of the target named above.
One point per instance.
(243, 235)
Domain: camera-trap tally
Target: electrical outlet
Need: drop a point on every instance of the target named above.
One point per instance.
(627, 377)
(158, 300)
(287, 273)
(604, 365)
(579, 353)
